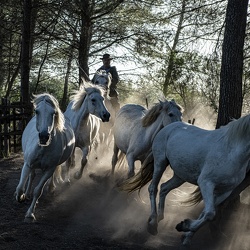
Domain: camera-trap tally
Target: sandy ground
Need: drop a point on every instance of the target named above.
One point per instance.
(93, 214)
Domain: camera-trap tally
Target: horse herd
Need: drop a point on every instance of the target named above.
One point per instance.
(214, 160)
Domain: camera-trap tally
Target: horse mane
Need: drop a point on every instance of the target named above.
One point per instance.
(154, 112)
(59, 117)
(87, 88)
(237, 129)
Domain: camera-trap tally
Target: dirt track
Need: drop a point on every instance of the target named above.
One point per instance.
(92, 214)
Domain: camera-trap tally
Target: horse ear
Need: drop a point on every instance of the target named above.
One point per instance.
(165, 101)
(161, 104)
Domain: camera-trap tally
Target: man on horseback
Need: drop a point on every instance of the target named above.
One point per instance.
(106, 59)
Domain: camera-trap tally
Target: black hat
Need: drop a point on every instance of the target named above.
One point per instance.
(106, 56)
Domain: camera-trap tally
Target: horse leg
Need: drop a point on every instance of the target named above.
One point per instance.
(114, 158)
(70, 163)
(187, 236)
(29, 217)
(28, 192)
(58, 175)
(20, 195)
(84, 161)
(207, 191)
(55, 178)
(159, 168)
(208, 213)
(131, 164)
(108, 136)
(166, 187)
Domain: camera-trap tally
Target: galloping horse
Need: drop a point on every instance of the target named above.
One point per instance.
(85, 111)
(217, 161)
(47, 141)
(102, 78)
(135, 128)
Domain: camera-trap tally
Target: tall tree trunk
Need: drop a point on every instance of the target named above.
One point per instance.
(64, 99)
(25, 57)
(25, 52)
(230, 102)
(171, 60)
(11, 81)
(2, 70)
(43, 61)
(85, 39)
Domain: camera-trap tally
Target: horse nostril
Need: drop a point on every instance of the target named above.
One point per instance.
(106, 116)
(44, 137)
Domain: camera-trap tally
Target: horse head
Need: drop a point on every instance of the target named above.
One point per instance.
(168, 110)
(48, 117)
(173, 111)
(96, 105)
(90, 100)
(103, 79)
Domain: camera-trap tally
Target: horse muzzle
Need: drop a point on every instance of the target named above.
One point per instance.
(44, 138)
(105, 117)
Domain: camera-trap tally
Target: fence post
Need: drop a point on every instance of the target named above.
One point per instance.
(6, 124)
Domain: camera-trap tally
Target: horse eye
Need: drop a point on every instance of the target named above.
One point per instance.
(93, 100)
(36, 111)
(97, 82)
(171, 114)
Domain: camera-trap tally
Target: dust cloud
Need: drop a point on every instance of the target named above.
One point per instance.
(94, 201)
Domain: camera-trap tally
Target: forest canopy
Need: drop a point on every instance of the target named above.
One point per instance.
(160, 48)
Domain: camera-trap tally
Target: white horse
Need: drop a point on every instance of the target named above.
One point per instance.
(85, 111)
(135, 128)
(217, 161)
(102, 78)
(47, 141)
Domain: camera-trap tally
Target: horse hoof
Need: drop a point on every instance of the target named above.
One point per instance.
(179, 227)
(21, 198)
(30, 219)
(183, 226)
(152, 227)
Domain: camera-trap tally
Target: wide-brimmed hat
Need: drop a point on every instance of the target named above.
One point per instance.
(106, 56)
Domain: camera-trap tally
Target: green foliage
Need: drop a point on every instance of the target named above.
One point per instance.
(140, 32)
(51, 85)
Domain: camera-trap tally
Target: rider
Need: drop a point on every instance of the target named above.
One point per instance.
(106, 59)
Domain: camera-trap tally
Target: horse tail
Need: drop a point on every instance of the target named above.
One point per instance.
(194, 199)
(141, 178)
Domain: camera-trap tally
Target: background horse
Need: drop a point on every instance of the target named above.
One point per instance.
(47, 141)
(135, 128)
(102, 78)
(85, 111)
(217, 161)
